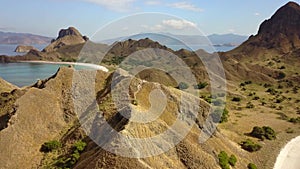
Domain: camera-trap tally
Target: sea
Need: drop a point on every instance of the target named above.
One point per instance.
(25, 74)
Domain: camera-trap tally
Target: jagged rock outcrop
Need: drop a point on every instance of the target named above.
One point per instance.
(70, 36)
(24, 48)
(39, 117)
(280, 33)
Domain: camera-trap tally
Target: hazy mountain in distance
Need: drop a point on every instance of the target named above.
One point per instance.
(22, 38)
(172, 39)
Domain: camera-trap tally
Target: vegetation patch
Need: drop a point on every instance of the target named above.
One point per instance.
(294, 120)
(236, 99)
(220, 115)
(50, 146)
(263, 132)
(225, 161)
(251, 166)
(201, 85)
(250, 146)
(70, 160)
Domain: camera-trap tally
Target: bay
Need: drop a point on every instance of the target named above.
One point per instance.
(25, 74)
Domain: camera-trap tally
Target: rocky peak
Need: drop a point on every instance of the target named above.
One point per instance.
(69, 36)
(69, 31)
(286, 20)
(280, 33)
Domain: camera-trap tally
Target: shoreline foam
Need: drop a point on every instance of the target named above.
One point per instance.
(69, 63)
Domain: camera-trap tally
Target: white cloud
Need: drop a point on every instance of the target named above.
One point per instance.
(231, 30)
(185, 6)
(256, 14)
(179, 24)
(116, 5)
(155, 28)
(152, 2)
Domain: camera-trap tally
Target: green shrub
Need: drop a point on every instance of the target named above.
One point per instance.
(250, 146)
(50, 146)
(201, 85)
(236, 99)
(232, 160)
(269, 133)
(79, 146)
(134, 102)
(249, 105)
(223, 160)
(266, 85)
(256, 98)
(272, 91)
(248, 82)
(71, 159)
(281, 75)
(208, 99)
(294, 120)
(182, 86)
(263, 132)
(251, 166)
(220, 116)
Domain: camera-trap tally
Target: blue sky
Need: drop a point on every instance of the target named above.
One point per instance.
(46, 17)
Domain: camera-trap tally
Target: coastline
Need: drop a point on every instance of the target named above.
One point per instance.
(289, 155)
(94, 66)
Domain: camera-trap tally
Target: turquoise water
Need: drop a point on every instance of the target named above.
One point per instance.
(25, 74)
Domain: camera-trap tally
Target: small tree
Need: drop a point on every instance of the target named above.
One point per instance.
(263, 132)
(250, 146)
(79, 146)
(220, 116)
(50, 146)
(251, 166)
(236, 99)
(201, 85)
(232, 160)
(223, 160)
(257, 132)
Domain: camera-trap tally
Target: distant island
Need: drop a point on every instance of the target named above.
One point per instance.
(23, 38)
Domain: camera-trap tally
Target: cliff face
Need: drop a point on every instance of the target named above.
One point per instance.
(280, 33)
(38, 116)
(44, 112)
(70, 36)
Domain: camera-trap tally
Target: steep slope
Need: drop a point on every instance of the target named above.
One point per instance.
(270, 52)
(70, 36)
(41, 114)
(5, 86)
(277, 35)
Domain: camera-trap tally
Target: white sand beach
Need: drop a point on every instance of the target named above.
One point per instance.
(94, 66)
(289, 156)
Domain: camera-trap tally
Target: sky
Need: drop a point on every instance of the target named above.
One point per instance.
(47, 17)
